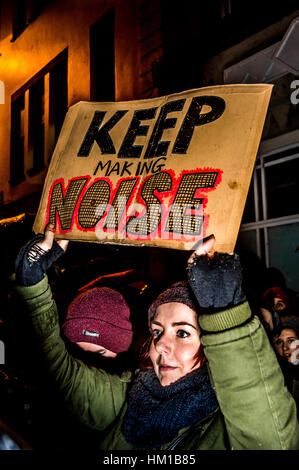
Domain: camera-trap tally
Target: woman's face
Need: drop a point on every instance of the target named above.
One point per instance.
(285, 343)
(175, 342)
(279, 304)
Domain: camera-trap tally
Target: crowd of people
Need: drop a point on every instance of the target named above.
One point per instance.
(279, 314)
(204, 368)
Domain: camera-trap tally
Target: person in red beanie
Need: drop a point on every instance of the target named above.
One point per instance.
(278, 297)
(98, 320)
(275, 304)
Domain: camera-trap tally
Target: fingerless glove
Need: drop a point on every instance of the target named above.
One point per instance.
(32, 261)
(216, 282)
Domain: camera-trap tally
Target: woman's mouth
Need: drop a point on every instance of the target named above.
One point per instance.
(166, 367)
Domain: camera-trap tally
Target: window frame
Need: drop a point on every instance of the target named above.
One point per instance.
(262, 222)
(25, 91)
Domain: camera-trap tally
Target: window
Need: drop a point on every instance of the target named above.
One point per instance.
(270, 224)
(17, 141)
(36, 127)
(37, 114)
(282, 186)
(102, 61)
(57, 102)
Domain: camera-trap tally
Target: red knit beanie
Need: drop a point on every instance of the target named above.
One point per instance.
(277, 292)
(100, 316)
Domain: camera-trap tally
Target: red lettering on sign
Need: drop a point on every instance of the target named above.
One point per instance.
(166, 206)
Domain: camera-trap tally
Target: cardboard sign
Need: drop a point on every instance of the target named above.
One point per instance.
(166, 172)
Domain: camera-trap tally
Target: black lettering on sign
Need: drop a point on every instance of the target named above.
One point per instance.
(179, 220)
(114, 169)
(154, 166)
(94, 204)
(119, 203)
(102, 166)
(119, 168)
(150, 221)
(127, 149)
(100, 134)
(194, 118)
(156, 147)
(125, 168)
(62, 206)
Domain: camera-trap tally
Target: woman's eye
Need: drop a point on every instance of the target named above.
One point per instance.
(156, 333)
(182, 334)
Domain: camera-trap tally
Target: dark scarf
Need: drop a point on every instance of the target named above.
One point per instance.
(155, 414)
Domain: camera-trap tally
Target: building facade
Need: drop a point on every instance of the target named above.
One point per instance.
(55, 53)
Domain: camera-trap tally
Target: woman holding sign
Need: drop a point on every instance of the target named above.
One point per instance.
(215, 382)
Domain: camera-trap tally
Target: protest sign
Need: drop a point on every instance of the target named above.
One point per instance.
(166, 172)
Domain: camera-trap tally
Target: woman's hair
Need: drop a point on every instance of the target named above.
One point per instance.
(144, 358)
(178, 292)
(290, 323)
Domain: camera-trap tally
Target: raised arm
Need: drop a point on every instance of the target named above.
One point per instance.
(259, 411)
(93, 396)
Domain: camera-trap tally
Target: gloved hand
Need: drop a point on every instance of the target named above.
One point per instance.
(215, 278)
(37, 256)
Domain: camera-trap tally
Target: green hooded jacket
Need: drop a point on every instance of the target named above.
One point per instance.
(256, 411)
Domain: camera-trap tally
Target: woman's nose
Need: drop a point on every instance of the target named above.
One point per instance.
(163, 345)
(285, 346)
